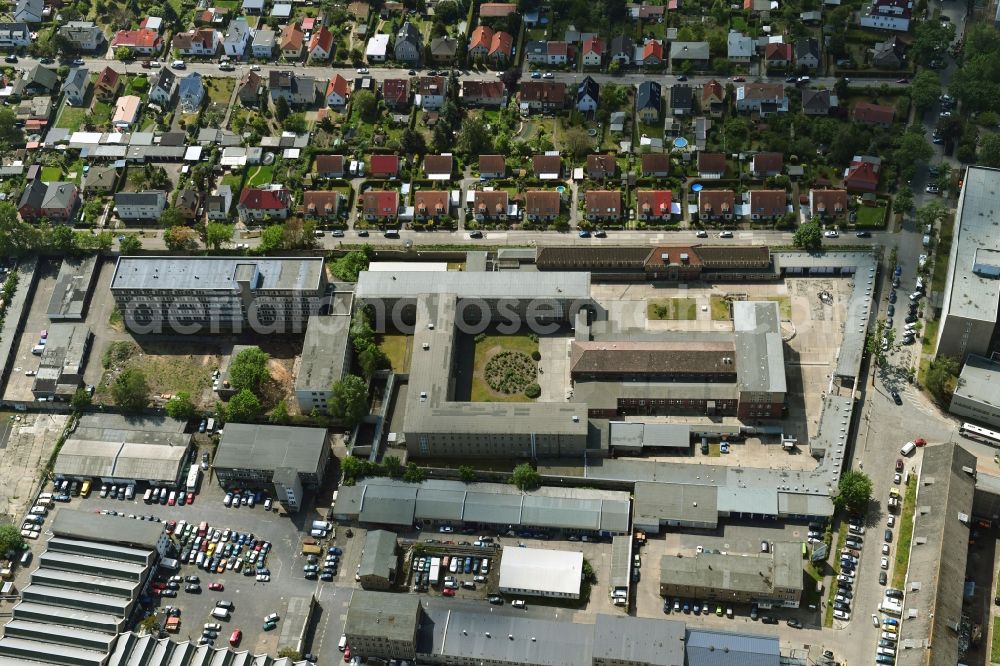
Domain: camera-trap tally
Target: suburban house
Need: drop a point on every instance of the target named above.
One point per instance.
(543, 96)
(716, 204)
(817, 102)
(547, 53)
(587, 95)
(55, 201)
(257, 203)
(768, 204)
(762, 98)
(214, 16)
(879, 115)
(396, 93)
(291, 42)
(250, 89)
(603, 205)
(147, 205)
(638, 12)
(144, 41)
(889, 54)
(740, 47)
(863, 174)
(541, 205)
(329, 166)
(296, 90)
(237, 38)
(711, 166)
(36, 80)
(107, 84)
(29, 11)
(778, 55)
(218, 203)
(409, 45)
(765, 165)
(263, 43)
(187, 202)
(198, 42)
(76, 86)
(622, 50)
(655, 165)
(827, 203)
(681, 99)
(496, 10)
(490, 205)
(432, 91)
(492, 166)
(483, 93)
(13, 35)
(83, 35)
(162, 88)
(380, 205)
(321, 44)
(338, 91)
(653, 205)
(807, 53)
(100, 178)
(648, 101)
(253, 7)
(547, 167)
(487, 44)
(438, 167)
(886, 15)
(383, 166)
(443, 50)
(320, 204)
(652, 54)
(190, 93)
(593, 51)
(430, 204)
(697, 53)
(600, 167)
(713, 98)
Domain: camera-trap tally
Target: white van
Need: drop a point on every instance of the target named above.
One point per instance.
(342, 645)
(37, 350)
(220, 613)
(148, 497)
(178, 64)
(907, 448)
(39, 510)
(130, 491)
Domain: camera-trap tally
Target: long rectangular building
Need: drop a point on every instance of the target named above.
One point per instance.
(976, 394)
(60, 371)
(218, 294)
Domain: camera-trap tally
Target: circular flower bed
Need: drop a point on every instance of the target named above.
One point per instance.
(510, 372)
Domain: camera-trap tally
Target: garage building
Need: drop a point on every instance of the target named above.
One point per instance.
(541, 572)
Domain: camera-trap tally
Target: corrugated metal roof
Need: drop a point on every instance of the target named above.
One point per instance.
(492, 508)
(388, 505)
(561, 513)
(440, 504)
(717, 648)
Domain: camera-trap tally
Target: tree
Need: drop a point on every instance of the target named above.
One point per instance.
(272, 238)
(442, 138)
(180, 406)
(525, 477)
(10, 539)
(279, 415)
(913, 149)
(412, 142)
(281, 109)
(180, 238)
(217, 233)
(393, 466)
(930, 39)
(925, 89)
(874, 344)
(466, 473)
(80, 400)
(349, 401)
(854, 492)
(941, 377)
(248, 369)
(10, 134)
(989, 150)
(16, 237)
(474, 138)
(352, 468)
(172, 217)
(129, 244)
(809, 236)
(244, 407)
(578, 142)
(904, 200)
(123, 53)
(130, 390)
(290, 652)
(348, 267)
(413, 474)
(372, 359)
(366, 105)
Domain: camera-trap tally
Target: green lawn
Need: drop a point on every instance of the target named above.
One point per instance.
(51, 174)
(672, 308)
(102, 114)
(871, 217)
(941, 254)
(720, 309)
(835, 563)
(486, 348)
(721, 312)
(71, 117)
(398, 348)
(260, 175)
(219, 91)
(233, 180)
(995, 647)
(905, 534)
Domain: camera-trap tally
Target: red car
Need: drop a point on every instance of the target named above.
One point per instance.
(448, 592)
(190, 498)
(171, 526)
(739, 79)
(899, 464)
(920, 441)
(347, 653)
(217, 587)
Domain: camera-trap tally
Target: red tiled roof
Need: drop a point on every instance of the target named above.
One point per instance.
(543, 91)
(329, 163)
(108, 79)
(767, 162)
(768, 202)
(381, 203)
(438, 164)
(655, 163)
(711, 162)
(605, 203)
(384, 164)
(338, 84)
(653, 202)
(546, 164)
(862, 175)
(291, 37)
(497, 9)
(672, 254)
(308, 23)
(257, 199)
(481, 36)
(502, 43)
(828, 201)
(541, 202)
(492, 164)
(317, 202)
(431, 201)
(716, 201)
(652, 48)
(143, 38)
(396, 91)
(482, 89)
(322, 38)
(778, 52)
(557, 48)
(593, 45)
(713, 90)
(605, 163)
(866, 112)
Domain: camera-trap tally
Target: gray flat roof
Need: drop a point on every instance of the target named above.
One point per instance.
(325, 352)
(605, 395)
(636, 434)
(103, 622)
(382, 615)
(388, 504)
(755, 574)
(657, 503)
(218, 273)
(621, 561)
(492, 285)
(265, 447)
(619, 639)
(973, 290)
(76, 276)
(114, 446)
(379, 555)
(980, 380)
(760, 358)
(66, 347)
(722, 648)
(108, 529)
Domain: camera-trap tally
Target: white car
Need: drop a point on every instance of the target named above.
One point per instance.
(841, 615)
(897, 478)
(548, 75)
(831, 234)
(884, 563)
(932, 189)
(891, 521)
(875, 619)
(518, 603)
(725, 234)
(885, 549)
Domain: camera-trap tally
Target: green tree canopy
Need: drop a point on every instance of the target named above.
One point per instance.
(372, 359)
(10, 539)
(473, 138)
(180, 238)
(349, 400)
(129, 244)
(348, 267)
(941, 378)
(854, 492)
(393, 466)
(925, 89)
(244, 407)
(352, 469)
(525, 477)
(281, 109)
(130, 390)
(467, 473)
(180, 406)
(80, 400)
(930, 39)
(248, 369)
(10, 134)
(809, 236)
(413, 474)
(217, 233)
(578, 142)
(366, 105)
(913, 149)
(988, 153)
(279, 415)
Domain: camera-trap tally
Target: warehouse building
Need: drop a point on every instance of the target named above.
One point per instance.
(540, 572)
(767, 579)
(284, 459)
(379, 561)
(976, 394)
(148, 650)
(74, 285)
(444, 634)
(114, 448)
(60, 371)
(496, 506)
(199, 295)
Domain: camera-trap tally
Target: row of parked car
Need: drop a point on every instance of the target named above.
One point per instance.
(218, 550)
(331, 564)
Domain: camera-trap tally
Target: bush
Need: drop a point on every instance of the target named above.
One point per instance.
(533, 391)
(536, 355)
(480, 337)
